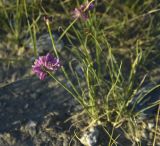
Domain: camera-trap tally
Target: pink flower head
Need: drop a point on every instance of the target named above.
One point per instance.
(43, 64)
(82, 11)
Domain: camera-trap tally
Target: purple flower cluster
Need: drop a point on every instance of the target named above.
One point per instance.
(82, 11)
(45, 63)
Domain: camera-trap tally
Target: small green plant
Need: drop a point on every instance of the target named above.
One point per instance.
(111, 45)
(102, 83)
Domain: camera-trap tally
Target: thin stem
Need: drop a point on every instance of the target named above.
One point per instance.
(61, 84)
(156, 128)
(56, 53)
(51, 36)
(33, 36)
(67, 29)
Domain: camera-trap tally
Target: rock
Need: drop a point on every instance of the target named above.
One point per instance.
(90, 137)
(44, 43)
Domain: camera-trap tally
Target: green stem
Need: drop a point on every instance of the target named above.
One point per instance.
(156, 128)
(56, 53)
(61, 84)
(51, 36)
(67, 29)
(33, 35)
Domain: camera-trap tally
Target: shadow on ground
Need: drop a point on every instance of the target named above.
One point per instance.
(32, 113)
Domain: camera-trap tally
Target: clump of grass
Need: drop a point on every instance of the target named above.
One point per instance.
(108, 63)
(104, 86)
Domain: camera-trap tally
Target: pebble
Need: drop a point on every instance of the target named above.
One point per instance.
(90, 137)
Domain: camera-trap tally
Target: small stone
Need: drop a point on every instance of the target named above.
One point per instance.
(26, 106)
(33, 95)
(31, 124)
(150, 125)
(90, 138)
(16, 122)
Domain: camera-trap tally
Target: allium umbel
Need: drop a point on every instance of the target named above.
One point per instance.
(44, 64)
(82, 11)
